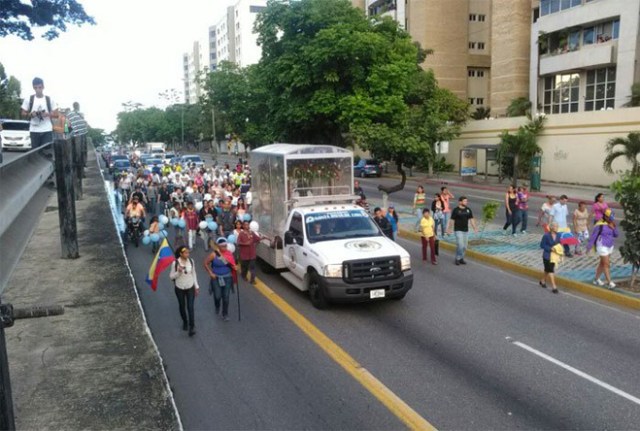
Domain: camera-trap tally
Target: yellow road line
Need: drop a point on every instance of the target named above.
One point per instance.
(390, 400)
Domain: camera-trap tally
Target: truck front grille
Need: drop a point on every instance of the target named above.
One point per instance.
(367, 270)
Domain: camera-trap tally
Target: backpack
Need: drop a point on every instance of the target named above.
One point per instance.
(31, 99)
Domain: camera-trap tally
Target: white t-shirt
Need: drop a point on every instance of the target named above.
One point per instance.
(39, 104)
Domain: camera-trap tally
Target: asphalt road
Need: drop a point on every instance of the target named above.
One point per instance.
(470, 347)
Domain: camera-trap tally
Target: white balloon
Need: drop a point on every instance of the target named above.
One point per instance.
(231, 247)
(203, 225)
(254, 226)
(146, 232)
(163, 219)
(198, 206)
(207, 197)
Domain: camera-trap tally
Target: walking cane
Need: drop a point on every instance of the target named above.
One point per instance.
(238, 289)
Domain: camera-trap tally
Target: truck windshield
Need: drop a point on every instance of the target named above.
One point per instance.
(327, 226)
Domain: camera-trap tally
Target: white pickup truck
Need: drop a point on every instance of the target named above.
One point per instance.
(314, 233)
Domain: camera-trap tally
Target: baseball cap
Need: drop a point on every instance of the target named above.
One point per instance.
(221, 241)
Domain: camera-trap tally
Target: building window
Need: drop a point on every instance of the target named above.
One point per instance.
(471, 100)
(472, 45)
(561, 93)
(472, 17)
(601, 89)
(471, 73)
(481, 18)
(553, 6)
(480, 45)
(480, 73)
(256, 9)
(479, 100)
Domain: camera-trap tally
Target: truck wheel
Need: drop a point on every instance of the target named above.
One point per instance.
(316, 294)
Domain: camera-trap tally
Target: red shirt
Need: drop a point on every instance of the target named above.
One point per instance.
(247, 244)
(192, 219)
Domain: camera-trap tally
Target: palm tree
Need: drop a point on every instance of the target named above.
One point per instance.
(628, 148)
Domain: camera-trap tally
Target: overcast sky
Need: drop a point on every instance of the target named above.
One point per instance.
(132, 53)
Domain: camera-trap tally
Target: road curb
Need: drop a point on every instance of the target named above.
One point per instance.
(587, 289)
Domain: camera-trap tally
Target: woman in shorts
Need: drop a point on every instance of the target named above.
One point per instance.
(548, 243)
(602, 238)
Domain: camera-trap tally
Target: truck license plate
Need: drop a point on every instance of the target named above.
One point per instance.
(376, 293)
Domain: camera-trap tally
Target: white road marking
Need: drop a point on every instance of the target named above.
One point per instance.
(577, 372)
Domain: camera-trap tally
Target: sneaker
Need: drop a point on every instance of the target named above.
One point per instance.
(554, 290)
(514, 234)
(523, 232)
(184, 326)
(598, 282)
(457, 262)
(225, 318)
(463, 262)
(611, 285)
(192, 332)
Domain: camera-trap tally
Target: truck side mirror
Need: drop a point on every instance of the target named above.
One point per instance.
(288, 238)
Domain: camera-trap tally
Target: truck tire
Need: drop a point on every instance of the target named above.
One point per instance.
(316, 293)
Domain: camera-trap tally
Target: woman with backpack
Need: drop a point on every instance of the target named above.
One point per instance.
(183, 274)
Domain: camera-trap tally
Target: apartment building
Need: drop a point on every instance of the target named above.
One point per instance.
(193, 62)
(480, 47)
(584, 54)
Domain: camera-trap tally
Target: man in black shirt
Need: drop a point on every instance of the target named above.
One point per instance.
(382, 221)
(460, 218)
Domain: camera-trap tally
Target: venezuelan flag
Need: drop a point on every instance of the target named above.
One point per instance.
(164, 258)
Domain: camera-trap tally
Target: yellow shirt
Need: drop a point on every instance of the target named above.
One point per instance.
(426, 227)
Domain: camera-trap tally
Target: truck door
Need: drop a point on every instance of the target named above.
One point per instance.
(293, 253)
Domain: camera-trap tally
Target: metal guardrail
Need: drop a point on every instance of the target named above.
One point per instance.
(22, 199)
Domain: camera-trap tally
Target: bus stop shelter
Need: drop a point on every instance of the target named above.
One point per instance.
(491, 155)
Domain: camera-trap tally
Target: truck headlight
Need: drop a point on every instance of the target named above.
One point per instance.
(405, 263)
(332, 271)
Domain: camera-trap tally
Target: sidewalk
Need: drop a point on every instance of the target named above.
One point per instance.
(575, 193)
(96, 366)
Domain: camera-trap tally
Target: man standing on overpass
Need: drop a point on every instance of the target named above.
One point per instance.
(39, 109)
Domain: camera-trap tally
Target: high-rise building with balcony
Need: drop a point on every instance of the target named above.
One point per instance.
(480, 47)
(193, 63)
(584, 54)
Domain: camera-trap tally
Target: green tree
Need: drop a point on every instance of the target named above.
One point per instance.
(19, 18)
(627, 148)
(10, 101)
(97, 136)
(627, 192)
(516, 151)
(481, 113)
(519, 107)
(634, 99)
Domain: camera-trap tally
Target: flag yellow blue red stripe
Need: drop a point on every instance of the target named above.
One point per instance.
(163, 259)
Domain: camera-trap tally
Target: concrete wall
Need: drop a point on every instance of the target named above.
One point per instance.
(573, 144)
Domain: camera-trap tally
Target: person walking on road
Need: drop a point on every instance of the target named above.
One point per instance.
(523, 208)
(183, 273)
(192, 220)
(220, 265)
(559, 214)
(247, 243)
(428, 236)
(511, 210)
(419, 200)
(544, 215)
(599, 207)
(437, 207)
(461, 216)
(446, 196)
(580, 226)
(394, 220)
(603, 238)
(550, 246)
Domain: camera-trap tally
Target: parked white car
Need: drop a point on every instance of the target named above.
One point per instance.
(15, 135)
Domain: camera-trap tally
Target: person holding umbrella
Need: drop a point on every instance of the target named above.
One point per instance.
(602, 238)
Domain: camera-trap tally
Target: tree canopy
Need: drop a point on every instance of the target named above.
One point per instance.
(20, 18)
(10, 89)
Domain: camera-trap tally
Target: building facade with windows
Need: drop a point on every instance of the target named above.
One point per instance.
(193, 62)
(584, 54)
(480, 47)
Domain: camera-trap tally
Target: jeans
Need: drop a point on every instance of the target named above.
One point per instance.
(445, 221)
(247, 266)
(40, 138)
(512, 220)
(222, 293)
(185, 299)
(439, 222)
(152, 205)
(462, 240)
(524, 218)
(419, 216)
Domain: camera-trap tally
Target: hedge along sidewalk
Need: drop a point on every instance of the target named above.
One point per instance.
(621, 298)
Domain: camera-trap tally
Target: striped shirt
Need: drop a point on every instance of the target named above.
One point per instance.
(78, 125)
